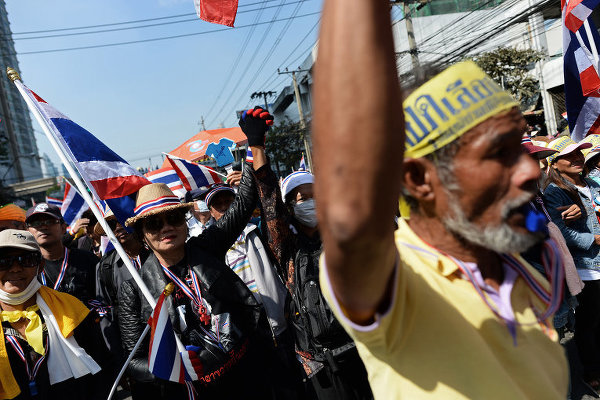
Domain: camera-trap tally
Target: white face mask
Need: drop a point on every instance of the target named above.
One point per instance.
(305, 213)
(21, 297)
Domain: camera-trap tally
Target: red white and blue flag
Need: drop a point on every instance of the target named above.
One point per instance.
(169, 177)
(73, 205)
(108, 176)
(582, 82)
(102, 206)
(54, 202)
(302, 166)
(194, 176)
(167, 359)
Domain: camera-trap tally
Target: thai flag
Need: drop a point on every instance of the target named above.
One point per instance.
(167, 359)
(582, 83)
(170, 178)
(107, 175)
(102, 206)
(194, 176)
(302, 164)
(54, 202)
(73, 205)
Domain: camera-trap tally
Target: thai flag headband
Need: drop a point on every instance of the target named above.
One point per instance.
(156, 203)
(216, 190)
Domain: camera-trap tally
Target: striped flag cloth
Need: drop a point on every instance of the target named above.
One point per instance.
(582, 83)
(54, 202)
(108, 176)
(169, 176)
(73, 205)
(102, 206)
(302, 164)
(194, 176)
(165, 360)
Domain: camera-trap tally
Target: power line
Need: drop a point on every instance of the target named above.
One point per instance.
(270, 52)
(271, 79)
(136, 27)
(155, 39)
(258, 47)
(125, 22)
(235, 64)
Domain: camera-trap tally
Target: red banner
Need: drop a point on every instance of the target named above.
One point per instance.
(217, 11)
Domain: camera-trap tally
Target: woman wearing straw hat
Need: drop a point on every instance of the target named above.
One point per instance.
(211, 308)
(567, 186)
(49, 343)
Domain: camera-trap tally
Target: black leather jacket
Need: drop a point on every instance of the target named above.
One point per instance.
(221, 288)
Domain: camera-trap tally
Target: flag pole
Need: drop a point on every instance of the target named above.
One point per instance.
(135, 348)
(14, 76)
(179, 158)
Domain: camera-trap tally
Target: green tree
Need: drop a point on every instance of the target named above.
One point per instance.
(285, 145)
(511, 67)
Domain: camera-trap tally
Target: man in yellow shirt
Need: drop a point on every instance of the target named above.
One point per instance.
(445, 308)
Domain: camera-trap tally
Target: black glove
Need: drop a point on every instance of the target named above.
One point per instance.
(255, 123)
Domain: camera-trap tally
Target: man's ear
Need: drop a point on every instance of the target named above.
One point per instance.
(416, 176)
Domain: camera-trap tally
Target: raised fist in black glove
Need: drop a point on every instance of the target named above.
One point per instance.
(255, 123)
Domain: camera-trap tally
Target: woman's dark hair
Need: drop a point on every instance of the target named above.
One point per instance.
(554, 176)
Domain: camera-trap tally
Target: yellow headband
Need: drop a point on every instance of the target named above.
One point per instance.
(450, 104)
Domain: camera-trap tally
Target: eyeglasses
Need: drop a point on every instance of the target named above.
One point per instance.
(156, 223)
(42, 222)
(112, 224)
(29, 260)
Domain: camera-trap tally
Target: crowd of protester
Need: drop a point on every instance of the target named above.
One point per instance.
(445, 255)
(246, 302)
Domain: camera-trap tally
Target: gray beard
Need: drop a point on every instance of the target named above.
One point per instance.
(500, 239)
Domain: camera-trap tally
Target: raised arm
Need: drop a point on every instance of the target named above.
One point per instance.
(358, 131)
(219, 237)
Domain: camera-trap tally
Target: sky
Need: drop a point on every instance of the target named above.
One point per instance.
(142, 99)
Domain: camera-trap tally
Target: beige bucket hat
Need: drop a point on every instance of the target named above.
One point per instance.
(153, 199)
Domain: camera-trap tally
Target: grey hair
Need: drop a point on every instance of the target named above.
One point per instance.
(443, 160)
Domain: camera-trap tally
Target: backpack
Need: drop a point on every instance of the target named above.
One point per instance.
(317, 329)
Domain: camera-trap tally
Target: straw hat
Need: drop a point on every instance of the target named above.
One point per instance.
(592, 151)
(98, 230)
(565, 145)
(155, 198)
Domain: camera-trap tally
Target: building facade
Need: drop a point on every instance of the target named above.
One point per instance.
(20, 161)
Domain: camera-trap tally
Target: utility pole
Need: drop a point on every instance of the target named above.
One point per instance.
(264, 95)
(202, 123)
(301, 114)
(412, 43)
(410, 32)
(539, 43)
(12, 139)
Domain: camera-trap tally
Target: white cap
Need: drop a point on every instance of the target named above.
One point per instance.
(295, 179)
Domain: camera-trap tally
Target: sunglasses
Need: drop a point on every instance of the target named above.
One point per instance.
(29, 260)
(112, 224)
(43, 222)
(156, 223)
